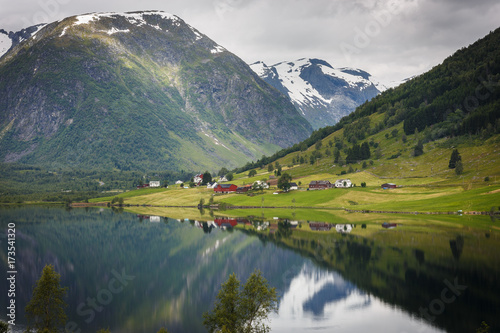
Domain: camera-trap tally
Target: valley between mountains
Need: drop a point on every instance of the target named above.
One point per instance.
(107, 101)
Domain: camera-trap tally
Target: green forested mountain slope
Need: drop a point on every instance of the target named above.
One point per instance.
(136, 91)
(458, 98)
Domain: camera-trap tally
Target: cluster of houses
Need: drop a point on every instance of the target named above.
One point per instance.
(325, 184)
(314, 185)
(153, 183)
(231, 188)
(341, 183)
(198, 179)
(223, 222)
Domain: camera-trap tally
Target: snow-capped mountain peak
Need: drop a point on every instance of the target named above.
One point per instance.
(321, 92)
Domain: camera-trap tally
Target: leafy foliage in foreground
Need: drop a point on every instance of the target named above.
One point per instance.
(46, 309)
(242, 310)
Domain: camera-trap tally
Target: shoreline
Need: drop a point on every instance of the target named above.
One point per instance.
(363, 211)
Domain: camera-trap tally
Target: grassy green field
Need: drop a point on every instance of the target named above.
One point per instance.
(405, 199)
(426, 183)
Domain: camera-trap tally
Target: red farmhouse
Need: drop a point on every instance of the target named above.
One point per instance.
(225, 188)
(225, 222)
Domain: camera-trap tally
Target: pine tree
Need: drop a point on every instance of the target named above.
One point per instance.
(365, 151)
(455, 157)
(45, 311)
(418, 149)
(207, 178)
(336, 156)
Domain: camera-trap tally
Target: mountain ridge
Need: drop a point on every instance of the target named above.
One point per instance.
(323, 94)
(456, 102)
(137, 90)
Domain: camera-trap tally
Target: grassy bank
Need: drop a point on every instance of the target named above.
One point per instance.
(406, 199)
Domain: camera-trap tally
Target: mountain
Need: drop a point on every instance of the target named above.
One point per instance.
(135, 91)
(321, 93)
(10, 39)
(456, 102)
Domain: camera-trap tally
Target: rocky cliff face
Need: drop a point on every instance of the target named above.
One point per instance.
(321, 93)
(141, 90)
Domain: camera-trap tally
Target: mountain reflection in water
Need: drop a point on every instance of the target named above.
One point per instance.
(328, 276)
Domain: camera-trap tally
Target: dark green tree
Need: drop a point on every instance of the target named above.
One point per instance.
(45, 312)
(207, 178)
(418, 149)
(484, 328)
(252, 173)
(365, 151)
(229, 176)
(336, 155)
(222, 172)
(284, 182)
(454, 158)
(270, 167)
(244, 309)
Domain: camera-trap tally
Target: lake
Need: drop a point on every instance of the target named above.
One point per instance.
(137, 273)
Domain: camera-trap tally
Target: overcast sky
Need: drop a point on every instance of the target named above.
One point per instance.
(391, 39)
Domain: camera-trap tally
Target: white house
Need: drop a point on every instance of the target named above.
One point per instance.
(343, 183)
(154, 219)
(154, 183)
(294, 186)
(198, 179)
(212, 185)
(223, 179)
(343, 228)
(260, 184)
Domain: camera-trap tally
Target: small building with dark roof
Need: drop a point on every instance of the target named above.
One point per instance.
(320, 185)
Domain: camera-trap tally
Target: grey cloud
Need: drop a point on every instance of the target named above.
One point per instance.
(419, 36)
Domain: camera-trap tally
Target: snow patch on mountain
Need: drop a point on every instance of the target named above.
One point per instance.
(5, 43)
(135, 18)
(382, 86)
(322, 93)
(114, 31)
(38, 28)
(299, 90)
(217, 49)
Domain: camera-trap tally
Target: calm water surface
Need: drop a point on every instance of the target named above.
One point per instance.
(138, 273)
